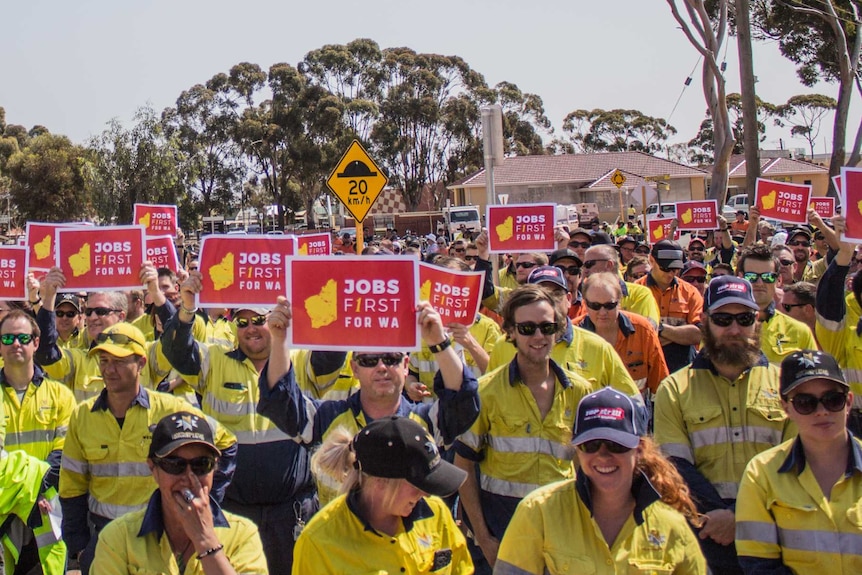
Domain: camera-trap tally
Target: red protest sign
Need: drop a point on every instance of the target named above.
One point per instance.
(243, 270)
(161, 251)
(836, 180)
(520, 228)
(105, 258)
(13, 273)
(825, 207)
(659, 229)
(783, 201)
(851, 204)
(314, 245)
(354, 303)
(42, 252)
(697, 215)
(157, 219)
(454, 294)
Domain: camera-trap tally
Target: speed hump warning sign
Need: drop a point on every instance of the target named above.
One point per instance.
(357, 181)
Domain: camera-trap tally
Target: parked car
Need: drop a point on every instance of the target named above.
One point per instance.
(734, 204)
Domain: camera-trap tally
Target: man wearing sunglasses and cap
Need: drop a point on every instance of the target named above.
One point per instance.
(780, 334)
(273, 485)
(713, 416)
(200, 537)
(798, 505)
(103, 474)
(680, 304)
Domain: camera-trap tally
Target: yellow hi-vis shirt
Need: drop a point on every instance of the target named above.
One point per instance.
(837, 333)
(581, 352)
(38, 424)
(337, 541)
(516, 448)
(718, 425)
(781, 335)
(639, 299)
(553, 531)
(109, 463)
(340, 384)
(783, 518)
(137, 543)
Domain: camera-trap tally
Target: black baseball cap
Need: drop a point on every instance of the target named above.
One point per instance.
(69, 298)
(807, 364)
(565, 254)
(607, 414)
(668, 254)
(399, 448)
(178, 429)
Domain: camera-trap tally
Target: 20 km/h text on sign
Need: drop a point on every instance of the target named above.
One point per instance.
(357, 181)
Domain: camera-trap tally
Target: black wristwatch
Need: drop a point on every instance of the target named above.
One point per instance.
(440, 346)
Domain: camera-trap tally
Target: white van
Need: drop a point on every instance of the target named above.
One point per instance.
(738, 202)
(667, 211)
(463, 215)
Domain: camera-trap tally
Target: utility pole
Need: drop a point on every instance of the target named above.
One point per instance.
(749, 98)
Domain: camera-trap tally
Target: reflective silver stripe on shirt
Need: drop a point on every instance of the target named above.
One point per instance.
(727, 489)
(821, 541)
(35, 436)
(829, 324)
(641, 383)
(261, 436)
(680, 450)
(746, 434)
(507, 488)
(45, 539)
(471, 440)
(760, 531)
(225, 407)
(532, 445)
(120, 469)
(503, 568)
(111, 511)
(74, 465)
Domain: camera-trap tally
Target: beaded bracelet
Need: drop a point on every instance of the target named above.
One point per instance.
(212, 551)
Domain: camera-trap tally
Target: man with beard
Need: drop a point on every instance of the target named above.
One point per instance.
(714, 415)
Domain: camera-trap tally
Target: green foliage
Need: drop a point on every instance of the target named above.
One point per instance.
(49, 180)
(616, 131)
(701, 147)
(805, 113)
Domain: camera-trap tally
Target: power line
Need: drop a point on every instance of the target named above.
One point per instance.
(687, 84)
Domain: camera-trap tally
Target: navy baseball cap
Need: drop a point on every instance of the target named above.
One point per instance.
(548, 274)
(728, 289)
(607, 414)
(807, 364)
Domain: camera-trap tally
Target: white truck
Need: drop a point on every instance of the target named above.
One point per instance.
(468, 216)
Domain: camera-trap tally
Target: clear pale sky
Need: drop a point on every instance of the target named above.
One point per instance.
(73, 66)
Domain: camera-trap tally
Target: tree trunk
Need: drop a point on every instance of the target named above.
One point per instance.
(856, 154)
(749, 104)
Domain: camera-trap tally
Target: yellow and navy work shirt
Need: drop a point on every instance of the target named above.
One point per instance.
(37, 424)
(781, 335)
(679, 304)
(484, 330)
(137, 543)
(837, 336)
(271, 467)
(104, 465)
(309, 421)
(554, 531)
(716, 425)
(220, 331)
(339, 540)
(517, 449)
(783, 518)
(340, 383)
(581, 352)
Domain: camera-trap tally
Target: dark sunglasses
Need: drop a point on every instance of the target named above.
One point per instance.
(9, 338)
(526, 265)
(596, 306)
(584, 245)
(786, 263)
(177, 465)
(471, 258)
(767, 277)
(695, 279)
(594, 445)
(571, 270)
(118, 338)
(591, 263)
(802, 244)
(806, 404)
(242, 322)
(789, 306)
(371, 360)
(642, 251)
(696, 248)
(744, 319)
(530, 327)
(668, 270)
(99, 311)
(68, 314)
(460, 250)
(193, 269)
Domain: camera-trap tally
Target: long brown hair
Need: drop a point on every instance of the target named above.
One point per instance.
(666, 480)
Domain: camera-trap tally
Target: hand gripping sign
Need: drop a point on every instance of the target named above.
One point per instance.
(697, 215)
(851, 204)
(314, 245)
(521, 228)
(161, 251)
(658, 229)
(243, 270)
(454, 294)
(100, 258)
(354, 303)
(783, 201)
(13, 273)
(825, 207)
(157, 219)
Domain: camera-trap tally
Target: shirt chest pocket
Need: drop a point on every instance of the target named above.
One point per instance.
(46, 413)
(793, 519)
(564, 564)
(705, 429)
(231, 403)
(648, 567)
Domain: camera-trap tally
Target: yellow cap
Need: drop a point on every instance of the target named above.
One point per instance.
(121, 340)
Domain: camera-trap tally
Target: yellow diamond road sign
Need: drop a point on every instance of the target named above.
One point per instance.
(357, 181)
(618, 179)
